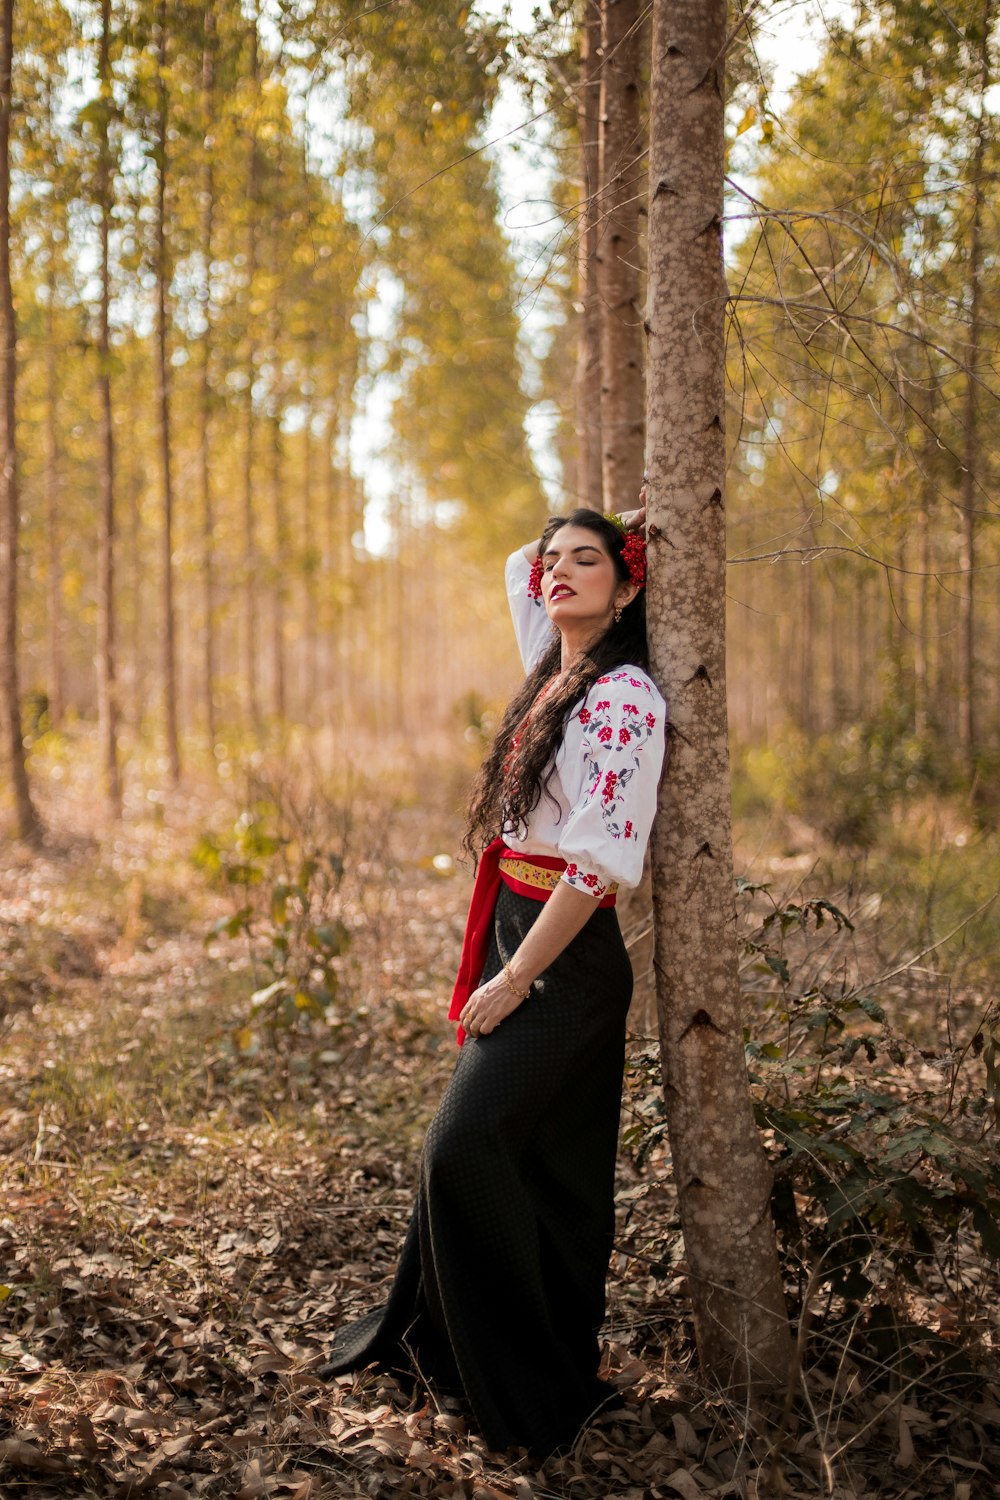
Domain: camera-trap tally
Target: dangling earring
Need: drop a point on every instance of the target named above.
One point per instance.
(618, 614)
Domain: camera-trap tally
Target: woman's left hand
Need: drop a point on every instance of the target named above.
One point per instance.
(487, 1006)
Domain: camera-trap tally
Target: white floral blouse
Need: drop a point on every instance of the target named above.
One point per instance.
(596, 810)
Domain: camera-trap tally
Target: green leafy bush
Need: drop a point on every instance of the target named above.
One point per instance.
(844, 781)
(289, 914)
(878, 1166)
(885, 1158)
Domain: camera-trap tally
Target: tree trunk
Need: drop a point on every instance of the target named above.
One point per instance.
(280, 562)
(722, 1175)
(53, 592)
(55, 682)
(107, 685)
(250, 601)
(922, 563)
(163, 406)
(130, 480)
(967, 726)
(617, 316)
(329, 696)
(622, 181)
(310, 552)
(10, 693)
(805, 632)
(589, 488)
(207, 230)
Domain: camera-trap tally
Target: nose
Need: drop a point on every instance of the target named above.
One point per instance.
(559, 567)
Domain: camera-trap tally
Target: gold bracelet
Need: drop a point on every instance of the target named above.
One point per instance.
(508, 976)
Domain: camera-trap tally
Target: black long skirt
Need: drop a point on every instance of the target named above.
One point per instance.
(499, 1293)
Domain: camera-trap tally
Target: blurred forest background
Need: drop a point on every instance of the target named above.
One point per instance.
(315, 310)
(251, 245)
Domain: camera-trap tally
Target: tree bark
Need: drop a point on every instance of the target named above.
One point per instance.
(622, 181)
(589, 486)
(329, 696)
(280, 561)
(130, 482)
(10, 693)
(309, 551)
(722, 1175)
(168, 624)
(55, 679)
(250, 600)
(968, 729)
(107, 683)
(53, 591)
(207, 236)
(805, 633)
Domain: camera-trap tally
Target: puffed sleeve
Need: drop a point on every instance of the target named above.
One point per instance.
(531, 623)
(614, 760)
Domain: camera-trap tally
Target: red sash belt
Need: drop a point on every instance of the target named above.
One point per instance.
(482, 907)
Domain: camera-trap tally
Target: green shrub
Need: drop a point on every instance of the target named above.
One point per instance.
(886, 1170)
(288, 912)
(843, 781)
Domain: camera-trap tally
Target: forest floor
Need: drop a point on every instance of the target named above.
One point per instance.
(191, 1202)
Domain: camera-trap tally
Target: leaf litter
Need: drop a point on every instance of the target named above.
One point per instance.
(182, 1226)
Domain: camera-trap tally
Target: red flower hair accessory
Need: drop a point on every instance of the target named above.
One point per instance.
(535, 578)
(633, 551)
(634, 558)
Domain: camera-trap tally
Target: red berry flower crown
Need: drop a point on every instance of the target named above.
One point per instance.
(633, 556)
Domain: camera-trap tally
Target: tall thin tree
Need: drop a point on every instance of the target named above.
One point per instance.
(206, 231)
(622, 174)
(53, 525)
(162, 270)
(589, 489)
(10, 696)
(972, 461)
(722, 1175)
(107, 686)
(51, 79)
(249, 597)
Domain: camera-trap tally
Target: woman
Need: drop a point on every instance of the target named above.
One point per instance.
(499, 1294)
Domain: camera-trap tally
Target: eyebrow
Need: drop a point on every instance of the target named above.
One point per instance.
(554, 551)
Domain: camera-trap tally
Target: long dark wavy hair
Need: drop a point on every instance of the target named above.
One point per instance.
(513, 777)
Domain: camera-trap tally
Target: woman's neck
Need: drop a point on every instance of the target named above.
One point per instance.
(574, 646)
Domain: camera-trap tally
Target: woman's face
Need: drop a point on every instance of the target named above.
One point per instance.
(579, 584)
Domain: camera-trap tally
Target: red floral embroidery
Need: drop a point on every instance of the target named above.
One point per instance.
(590, 880)
(636, 682)
(571, 871)
(615, 733)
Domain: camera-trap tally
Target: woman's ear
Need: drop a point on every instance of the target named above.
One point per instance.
(625, 594)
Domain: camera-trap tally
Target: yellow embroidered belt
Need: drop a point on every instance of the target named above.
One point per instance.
(537, 877)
